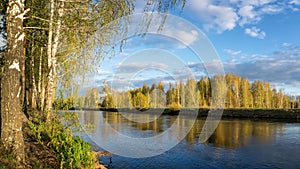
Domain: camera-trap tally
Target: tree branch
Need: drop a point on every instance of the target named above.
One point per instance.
(36, 28)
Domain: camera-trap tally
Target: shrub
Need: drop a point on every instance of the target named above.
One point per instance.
(73, 152)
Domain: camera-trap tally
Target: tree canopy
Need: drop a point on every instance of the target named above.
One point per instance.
(240, 93)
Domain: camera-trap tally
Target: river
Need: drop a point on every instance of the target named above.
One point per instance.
(236, 143)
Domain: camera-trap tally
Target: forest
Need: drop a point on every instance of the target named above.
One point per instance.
(240, 93)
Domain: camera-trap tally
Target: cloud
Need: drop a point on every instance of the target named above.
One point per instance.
(285, 44)
(226, 15)
(272, 9)
(217, 17)
(248, 15)
(101, 71)
(188, 37)
(201, 69)
(231, 52)
(280, 67)
(138, 66)
(255, 32)
(256, 2)
(289, 53)
(295, 2)
(225, 18)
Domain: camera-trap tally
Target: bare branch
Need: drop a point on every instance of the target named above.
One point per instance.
(42, 19)
(71, 1)
(36, 28)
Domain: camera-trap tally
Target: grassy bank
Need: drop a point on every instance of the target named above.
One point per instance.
(52, 145)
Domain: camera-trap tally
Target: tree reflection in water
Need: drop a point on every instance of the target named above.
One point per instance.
(230, 134)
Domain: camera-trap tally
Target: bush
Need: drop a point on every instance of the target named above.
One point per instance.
(72, 151)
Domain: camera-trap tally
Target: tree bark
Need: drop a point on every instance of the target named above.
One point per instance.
(52, 59)
(48, 92)
(11, 111)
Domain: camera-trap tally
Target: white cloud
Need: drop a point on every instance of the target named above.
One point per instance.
(187, 37)
(255, 32)
(231, 52)
(138, 66)
(285, 44)
(226, 15)
(248, 15)
(101, 71)
(257, 2)
(289, 52)
(281, 67)
(272, 9)
(217, 17)
(225, 18)
(233, 1)
(295, 2)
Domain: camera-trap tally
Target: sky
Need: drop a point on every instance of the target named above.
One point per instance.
(257, 39)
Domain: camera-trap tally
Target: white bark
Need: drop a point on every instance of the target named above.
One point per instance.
(52, 59)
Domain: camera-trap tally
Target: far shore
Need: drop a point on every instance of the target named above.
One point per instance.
(203, 112)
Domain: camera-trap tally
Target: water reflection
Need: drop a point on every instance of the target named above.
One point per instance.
(236, 133)
(89, 117)
(229, 134)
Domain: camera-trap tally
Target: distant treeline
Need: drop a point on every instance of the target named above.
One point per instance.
(233, 90)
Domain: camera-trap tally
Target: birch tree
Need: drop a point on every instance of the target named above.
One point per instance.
(11, 112)
(68, 25)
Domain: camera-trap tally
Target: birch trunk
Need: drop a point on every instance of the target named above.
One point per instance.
(11, 121)
(39, 93)
(48, 105)
(52, 59)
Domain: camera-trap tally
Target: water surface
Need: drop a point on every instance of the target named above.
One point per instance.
(236, 143)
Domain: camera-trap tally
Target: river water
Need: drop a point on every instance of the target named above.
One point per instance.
(236, 143)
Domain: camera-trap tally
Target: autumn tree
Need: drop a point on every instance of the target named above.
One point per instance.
(267, 95)
(198, 94)
(258, 94)
(293, 102)
(235, 90)
(92, 98)
(182, 93)
(230, 93)
(246, 96)
(219, 91)
(191, 93)
(108, 100)
(280, 99)
(161, 95)
(203, 87)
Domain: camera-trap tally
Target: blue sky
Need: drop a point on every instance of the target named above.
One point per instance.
(258, 39)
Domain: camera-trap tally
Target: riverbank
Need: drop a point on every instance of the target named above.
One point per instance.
(227, 113)
(41, 154)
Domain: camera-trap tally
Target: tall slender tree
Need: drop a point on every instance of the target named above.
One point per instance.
(267, 95)
(245, 94)
(230, 94)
